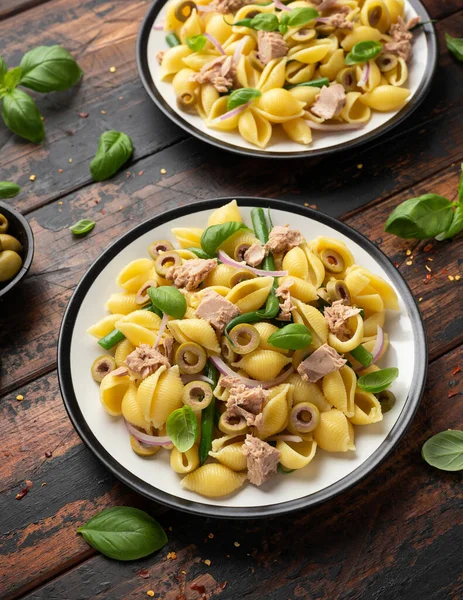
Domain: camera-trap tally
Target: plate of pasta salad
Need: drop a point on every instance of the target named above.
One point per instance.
(287, 79)
(241, 357)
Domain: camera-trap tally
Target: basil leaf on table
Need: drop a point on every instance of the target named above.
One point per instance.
(169, 300)
(444, 450)
(8, 190)
(421, 218)
(82, 227)
(114, 150)
(182, 428)
(215, 235)
(242, 96)
(455, 45)
(196, 42)
(363, 52)
(455, 226)
(48, 69)
(302, 16)
(378, 381)
(124, 533)
(22, 117)
(294, 336)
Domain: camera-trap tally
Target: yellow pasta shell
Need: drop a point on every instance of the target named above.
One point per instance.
(296, 455)
(112, 390)
(231, 456)
(312, 318)
(184, 462)
(339, 389)
(167, 396)
(263, 364)
(122, 303)
(188, 237)
(275, 413)
(195, 330)
(265, 330)
(131, 409)
(137, 334)
(334, 433)
(145, 392)
(227, 212)
(134, 268)
(354, 341)
(305, 391)
(104, 326)
(123, 349)
(250, 295)
(386, 98)
(367, 408)
(213, 480)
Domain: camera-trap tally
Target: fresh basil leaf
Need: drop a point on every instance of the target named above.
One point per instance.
(169, 300)
(455, 226)
(22, 117)
(11, 79)
(114, 150)
(363, 52)
(215, 235)
(182, 428)
(124, 533)
(3, 69)
(444, 450)
(319, 83)
(378, 381)
(284, 19)
(455, 45)
(242, 23)
(265, 22)
(362, 355)
(302, 16)
(421, 218)
(294, 336)
(82, 227)
(199, 252)
(460, 186)
(48, 69)
(8, 190)
(196, 42)
(242, 96)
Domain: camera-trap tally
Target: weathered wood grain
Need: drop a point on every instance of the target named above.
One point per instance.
(377, 538)
(103, 35)
(9, 8)
(31, 317)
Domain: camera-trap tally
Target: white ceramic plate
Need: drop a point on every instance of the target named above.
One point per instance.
(328, 474)
(421, 70)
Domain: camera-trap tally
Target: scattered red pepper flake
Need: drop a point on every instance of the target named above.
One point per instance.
(198, 588)
(396, 264)
(97, 201)
(83, 115)
(314, 206)
(444, 272)
(20, 495)
(452, 394)
(427, 248)
(29, 484)
(144, 573)
(60, 170)
(102, 211)
(456, 370)
(140, 173)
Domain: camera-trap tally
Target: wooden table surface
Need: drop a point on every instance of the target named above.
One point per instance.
(398, 534)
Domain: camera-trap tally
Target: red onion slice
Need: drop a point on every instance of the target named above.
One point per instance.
(159, 26)
(339, 127)
(379, 345)
(205, 8)
(187, 377)
(149, 440)
(280, 5)
(226, 370)
(365, 74)
(284, 437)
(227, 260)
(234, 112)
(325, 5)
(322, 19)
(215, 43)
(238, 52)
(161, 329)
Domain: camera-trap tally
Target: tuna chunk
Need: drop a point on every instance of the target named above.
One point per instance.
(166, 347)
(401, 43)
(262, 459)
(330, 101)
(323, 361)
(216, 310)
(229, 381)
(283, 239)
(286, 306)
(337, 316)
(270, 45)
(255, 254)
(145, 361)
(219, 72)
(192, 273)
(338, 19)
(230, 6)
(120, 372)
(160, 56)
(247, 402)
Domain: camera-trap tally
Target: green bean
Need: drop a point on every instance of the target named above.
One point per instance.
(172, 40)
(261, 230)
(364, 357)
(207, 416)
(115, 336)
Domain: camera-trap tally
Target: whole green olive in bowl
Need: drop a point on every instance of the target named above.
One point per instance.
(16, 248)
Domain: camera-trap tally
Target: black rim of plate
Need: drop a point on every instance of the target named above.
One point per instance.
(147, 80)
(140, 486)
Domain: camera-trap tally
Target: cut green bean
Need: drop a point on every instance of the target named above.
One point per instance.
(207, 417)
(115, 336)
(172, 40)
(364, 357)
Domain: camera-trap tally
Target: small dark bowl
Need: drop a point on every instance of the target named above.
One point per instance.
(20, 229)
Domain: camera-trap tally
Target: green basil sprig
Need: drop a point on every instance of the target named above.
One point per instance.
(215, 235)
(242, 96)
(319, 83)
(43, 69)
(455, 45)
(169, 300)
(182, 428)
(124, 533)
(82, 227)
(196, 42)
(363, 52)
(378, 381)
(8, 190)
(114, 150)
(270, 22)
(444, 450)
(294, 336)
(261, 22)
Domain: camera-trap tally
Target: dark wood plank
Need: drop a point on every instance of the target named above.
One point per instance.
(32, 316)
(8, 8)
(90, 28)
(377, 538)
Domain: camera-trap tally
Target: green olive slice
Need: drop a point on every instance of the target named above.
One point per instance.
(229, 355)
(232, 424)
(386, 62)
(304, 417)
(387, 400)
(347, 79)
(184, 10)
(155, 248)
(244, 338)
(166, 260)
(3, 224)
(190, 358)
(239, 276)
(374, 16)
(337, 290)
(142, 294)
(197, 395)
(240, 251)
(332, 260)
(101, 366)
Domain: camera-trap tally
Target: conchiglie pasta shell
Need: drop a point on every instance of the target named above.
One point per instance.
(231, 456)
(172, 61)
(309, 55)
(184, 462)
(246, 74)
(296, 456)
(334, 433)
(131, 409)
(301, 289)
(167, 396)
(227, 212)
(123, 349)
(333, 64)
(386, 98)
(298, 131)
(133, 285)
(238, 238)
(206, 95)
(195, 330)
(213, 480)
(278, 105)
(198, 60)
(295, 262)
(355, 324)
(370, 325)
(265, 330)
(122, 303)
(144, 318)
(218, 109)
(383, 23)
(362, 33)
(263, 364)
(321, 243)
(191, 27)
(112, 390)
(367, 408)
(273, 76)
(339, 389)
(254, 128)
(355, 111)
(299, 72)
(274, 414)
(395, 8)
(305, 391)
(250, 295)
(374, 76)
(220, 275)
(188, 237)
(312, 318)
(399, 75)
(305, 94)
(104, 326)
(316, 268)
(137, 334)
(218, 28)
(145, 392)
(134, 268)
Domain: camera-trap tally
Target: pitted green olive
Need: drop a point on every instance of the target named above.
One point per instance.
(387, 400)
(184, 10)
(10, 264)
(3, 224)
(337, 290)
(244, 338)
(190, 358)
(166, 260)
(386, 62)
(239, 276)
(8, 242)
(374, 16)
(332, 260)
(101, 366)
(159, 246)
